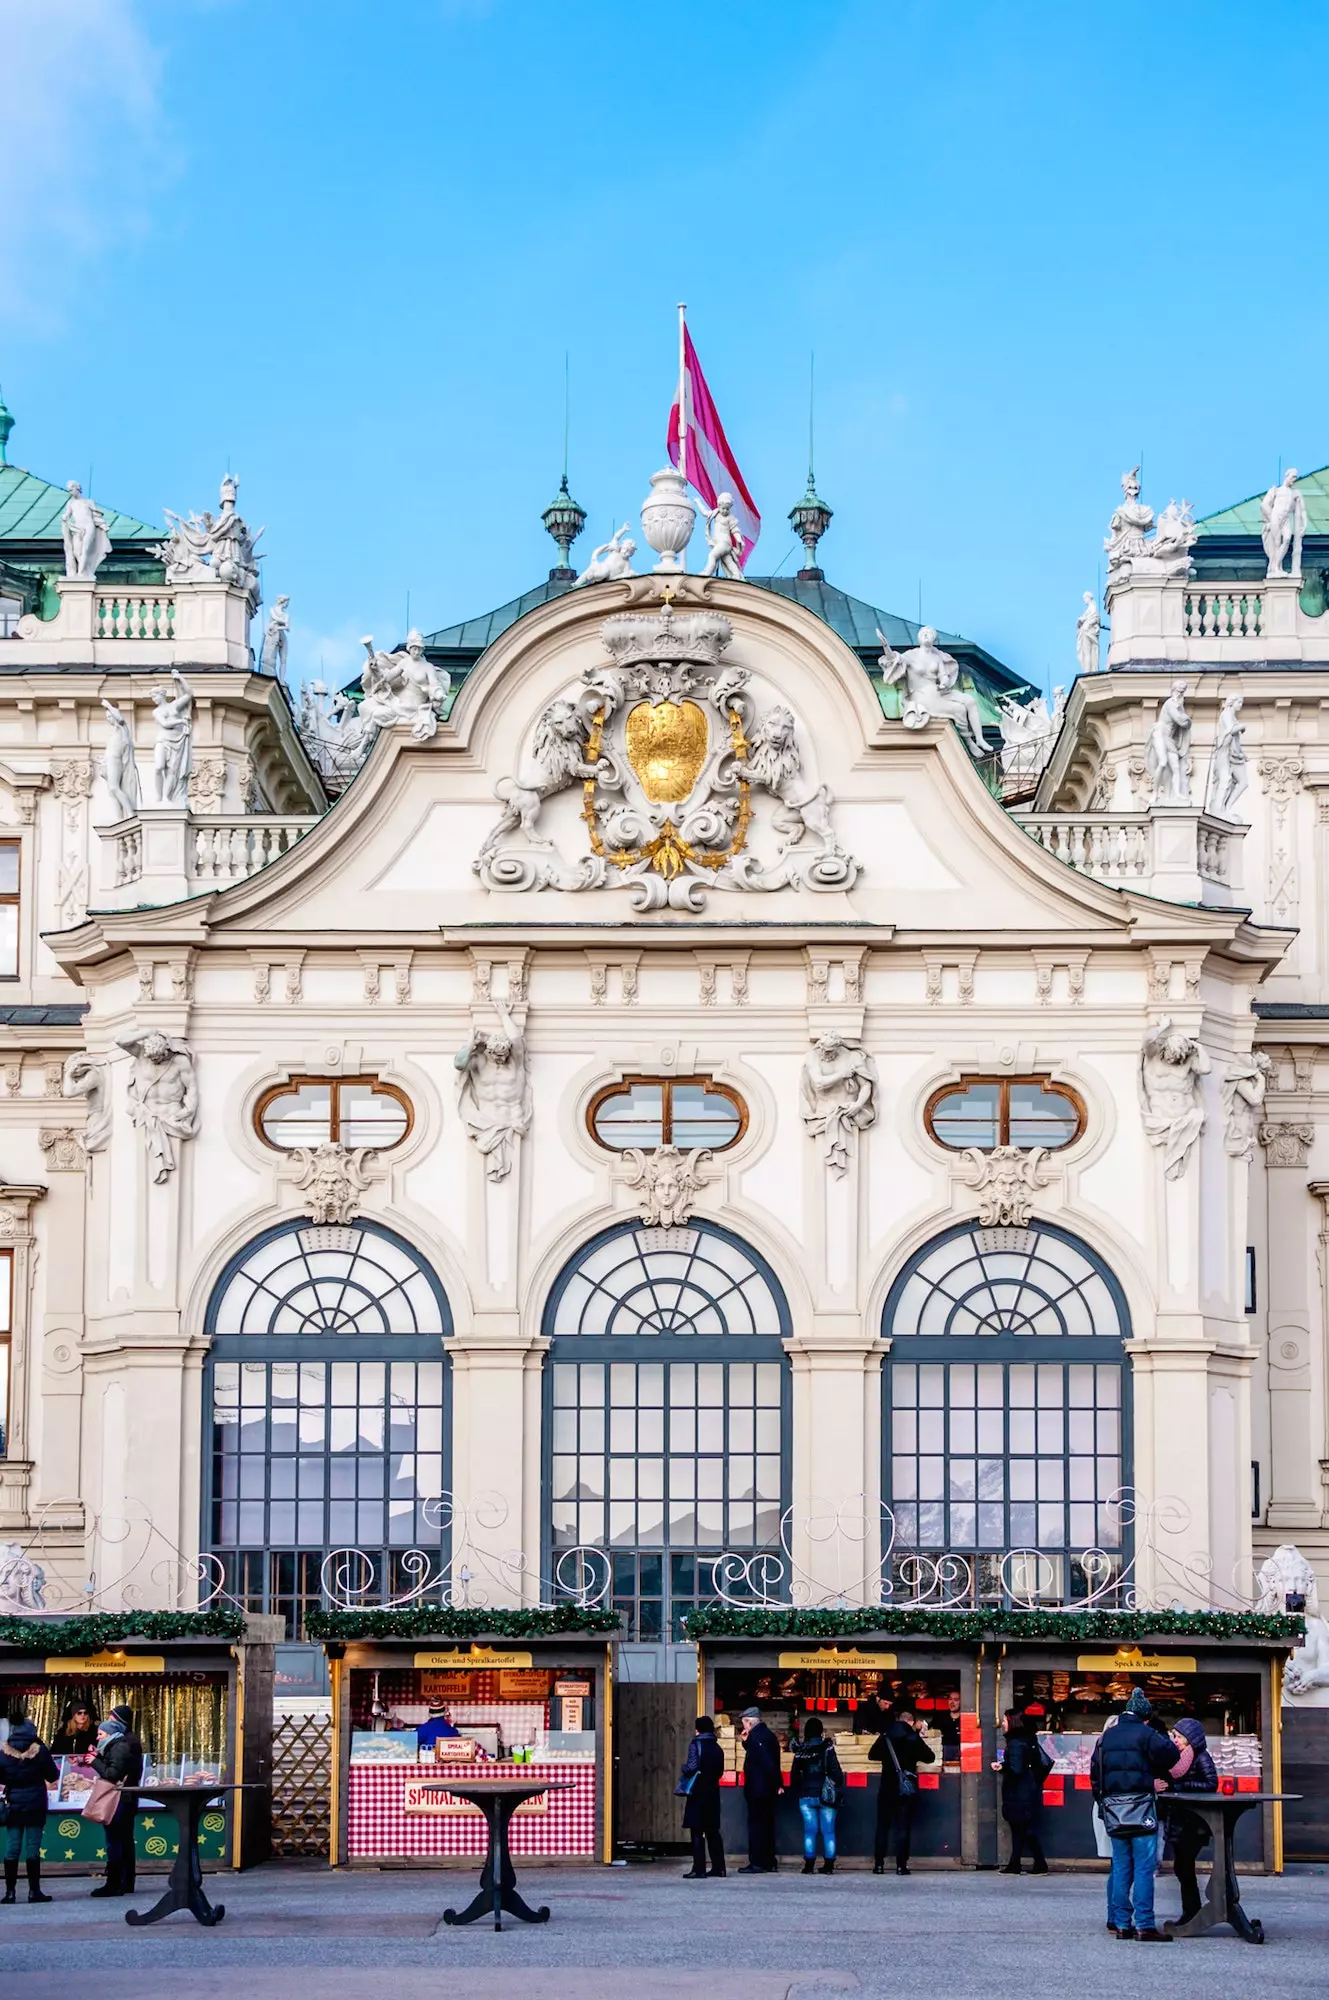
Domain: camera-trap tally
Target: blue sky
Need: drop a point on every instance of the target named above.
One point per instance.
(345, 247)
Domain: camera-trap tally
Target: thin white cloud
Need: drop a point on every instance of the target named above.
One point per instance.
(81, 155)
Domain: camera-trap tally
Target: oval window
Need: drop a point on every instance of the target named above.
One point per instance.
(651, 1111)
(990, 1111)
(354, 1110)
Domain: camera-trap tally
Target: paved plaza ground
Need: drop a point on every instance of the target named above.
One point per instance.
(642, 1933)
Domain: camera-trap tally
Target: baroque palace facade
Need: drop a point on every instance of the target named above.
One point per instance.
(640, 1099)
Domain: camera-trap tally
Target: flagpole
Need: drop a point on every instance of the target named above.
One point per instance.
(682, 410)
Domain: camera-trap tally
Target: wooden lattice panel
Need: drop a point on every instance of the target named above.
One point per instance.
(301, 1784)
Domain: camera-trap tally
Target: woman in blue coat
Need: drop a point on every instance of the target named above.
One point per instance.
(701, 1815)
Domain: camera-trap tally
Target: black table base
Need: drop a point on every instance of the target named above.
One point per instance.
(184, 1890)
(498, 1878)
(1222, 1904)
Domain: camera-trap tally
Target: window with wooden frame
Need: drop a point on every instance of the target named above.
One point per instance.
(6, 1343)
(650, 1111)
(354, 1110)
(991, 1111)
(9, 859)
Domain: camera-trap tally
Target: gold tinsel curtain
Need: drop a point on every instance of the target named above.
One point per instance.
(173, 1718)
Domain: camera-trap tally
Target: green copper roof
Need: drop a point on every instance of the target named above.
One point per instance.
(1244, 518)
(30, 510)
(854, 620)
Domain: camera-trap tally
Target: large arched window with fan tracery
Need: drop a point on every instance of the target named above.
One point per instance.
(1006, 1420)
(666, 1414)
(326, 1412)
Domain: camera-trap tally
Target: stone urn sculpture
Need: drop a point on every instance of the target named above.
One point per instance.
(668, 517)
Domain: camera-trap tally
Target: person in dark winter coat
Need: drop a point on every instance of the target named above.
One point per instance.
(119, 1759)
(1132, 1761)
(26, 1769)
(1024, 1767)
(761, 1788)
(77, 1733)
(899, 1750)
(817, 1771)
(701, 1814)
(1194, 1772)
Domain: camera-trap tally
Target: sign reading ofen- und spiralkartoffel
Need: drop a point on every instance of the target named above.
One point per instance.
(479, 1659)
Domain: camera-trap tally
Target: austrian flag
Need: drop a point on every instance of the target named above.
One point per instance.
(709, 464)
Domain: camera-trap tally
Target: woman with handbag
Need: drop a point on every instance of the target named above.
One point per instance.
(1129, 1766)
(1194, 1772)
(899, 1750)
(817, 1782)
(1024, 1768)
(119, 1764)
(699, 1783)
(26, 1769)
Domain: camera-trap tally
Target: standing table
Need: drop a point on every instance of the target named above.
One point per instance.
(498, 1799)
(184, 1891)
(1222, 1905)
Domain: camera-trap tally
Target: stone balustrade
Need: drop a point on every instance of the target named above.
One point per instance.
(136, 615)
(1203, 622)
(1179, 852)
(167, 853)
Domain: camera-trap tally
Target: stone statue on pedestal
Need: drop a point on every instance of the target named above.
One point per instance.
(275, 638)
(1229, 774)
(403, 687)
(1288, 1583)
(1283, 512)
(163, 1096)
(119, 765)
(1167, 754)
(173, 752)
(1131, 550)
(1088, 635)
(83, 528)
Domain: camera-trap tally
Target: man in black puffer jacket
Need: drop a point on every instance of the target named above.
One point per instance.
(1127, 1760)
(120, 1760)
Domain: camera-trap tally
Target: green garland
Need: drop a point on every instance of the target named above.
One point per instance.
(722, 1621)
(97, 1630)
(423, 1621)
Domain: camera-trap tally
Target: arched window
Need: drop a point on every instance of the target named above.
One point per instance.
(326, 1412)
(666, 1413)
(1006, 1422)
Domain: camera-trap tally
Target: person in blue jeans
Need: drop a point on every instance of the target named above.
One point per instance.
(817, 1771)
(1131, 1762)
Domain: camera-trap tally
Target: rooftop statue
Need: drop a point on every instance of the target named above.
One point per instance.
(612, 560)
(1167, 755)
(1131, 550)
(932, 687)
(119, 765)
(1088, 635)
(210, 548)
(1229, 772)
(83, 528)
(1283, 512)
(275, 640)
(173, 752)
(724, 540)
(403, 687)
(333, 734)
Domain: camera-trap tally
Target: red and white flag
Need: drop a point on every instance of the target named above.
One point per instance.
(710, 464)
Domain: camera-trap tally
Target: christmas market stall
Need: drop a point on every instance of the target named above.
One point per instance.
(200, 1688)
(421, 1691)
(960, 1672)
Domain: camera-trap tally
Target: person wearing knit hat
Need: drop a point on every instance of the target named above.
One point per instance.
(119, 1760)
(1130, 1762)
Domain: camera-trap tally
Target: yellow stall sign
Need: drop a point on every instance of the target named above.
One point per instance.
(110, 1663)
(479, 1659)
(1130, 1660)
(838, 1660)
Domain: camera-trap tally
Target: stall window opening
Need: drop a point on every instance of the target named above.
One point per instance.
(651, 1111)
(988, 1112)
(351, 1111)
